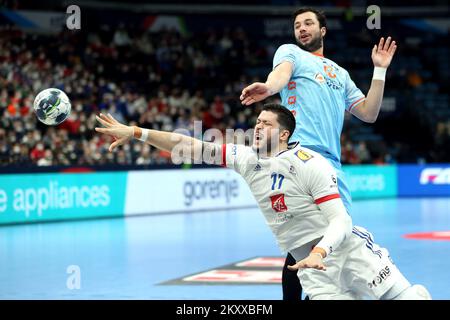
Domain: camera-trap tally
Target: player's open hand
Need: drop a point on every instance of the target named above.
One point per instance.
(314, 260)
(383, 53)
(255, 92)
(114, 128)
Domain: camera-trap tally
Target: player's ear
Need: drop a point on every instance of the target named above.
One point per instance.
(284, 136)
(323, 31)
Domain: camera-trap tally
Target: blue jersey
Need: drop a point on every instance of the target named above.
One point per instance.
(318, 94)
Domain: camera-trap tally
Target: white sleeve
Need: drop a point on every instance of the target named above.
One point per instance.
(238, 157)
(340, 225)
(321, 180)
(322, 184)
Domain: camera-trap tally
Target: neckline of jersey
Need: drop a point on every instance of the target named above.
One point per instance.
(291, 146)
(318, 54)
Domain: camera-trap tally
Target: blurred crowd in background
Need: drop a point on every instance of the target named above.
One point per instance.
(168, 81)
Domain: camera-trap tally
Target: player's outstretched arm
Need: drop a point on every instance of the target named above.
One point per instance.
(381, 56)
(276, 81)
(159, 139)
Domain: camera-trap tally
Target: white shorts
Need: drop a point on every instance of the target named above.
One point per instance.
(358, 269)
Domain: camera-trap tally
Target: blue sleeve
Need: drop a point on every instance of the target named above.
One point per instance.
(353, 96)
(286, 52)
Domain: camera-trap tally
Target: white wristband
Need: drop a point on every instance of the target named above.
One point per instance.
(144, 135)
(379, 73)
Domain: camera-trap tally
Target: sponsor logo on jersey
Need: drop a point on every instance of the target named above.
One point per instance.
(435, 176)
(283, 217)
(319, 78)
(234, 150)
(278, 204)
(292, 85)
(334, 180)
(292, 170)
(329, 70)
(333, 84)
(302, 155)
(383, 274)
(257, 167)
(292, 99)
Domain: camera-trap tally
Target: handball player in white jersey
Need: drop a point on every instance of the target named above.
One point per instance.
(296, 190)
(318, 92)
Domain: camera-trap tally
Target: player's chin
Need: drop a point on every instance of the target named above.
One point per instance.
(308, 43)
(304, 42)
(257, 145)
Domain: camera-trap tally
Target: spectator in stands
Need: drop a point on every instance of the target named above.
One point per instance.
(137, 84)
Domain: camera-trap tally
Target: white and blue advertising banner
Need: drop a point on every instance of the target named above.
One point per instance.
(424, 180)
(61, 196)
(40, 197)
(164, 191)
(371, 181)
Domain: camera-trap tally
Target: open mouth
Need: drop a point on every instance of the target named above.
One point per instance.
(305, 37)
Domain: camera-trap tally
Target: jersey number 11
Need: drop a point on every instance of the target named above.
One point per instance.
(277, 177)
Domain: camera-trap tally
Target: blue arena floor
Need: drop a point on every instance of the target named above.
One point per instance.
(131, 258)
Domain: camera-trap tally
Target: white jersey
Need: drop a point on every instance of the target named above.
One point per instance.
(288, 188)
(292, 190)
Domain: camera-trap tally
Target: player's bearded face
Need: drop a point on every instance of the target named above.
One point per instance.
(266, 140)
(266, 134)
(307, 32)
(310, 42)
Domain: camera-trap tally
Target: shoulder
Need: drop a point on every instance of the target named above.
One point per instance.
(316, 171)
(238, 157)
(239, 149)
(308, 159)
(342, 69)
(289, 47)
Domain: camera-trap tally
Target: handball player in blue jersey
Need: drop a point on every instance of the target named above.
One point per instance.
(318, 92)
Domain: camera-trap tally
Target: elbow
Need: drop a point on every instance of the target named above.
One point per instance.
(371, 118)
(366, 112)
(367, 117)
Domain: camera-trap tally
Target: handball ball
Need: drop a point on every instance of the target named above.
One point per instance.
(52, 106)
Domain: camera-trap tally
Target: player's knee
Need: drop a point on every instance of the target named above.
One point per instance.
(415, 292)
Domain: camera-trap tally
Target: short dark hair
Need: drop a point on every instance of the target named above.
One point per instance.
(284, 117)
(320, 15)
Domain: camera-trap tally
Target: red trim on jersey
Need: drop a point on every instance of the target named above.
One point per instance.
(354, 103)
(326, 198)
(317, 54)
(224, 155)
